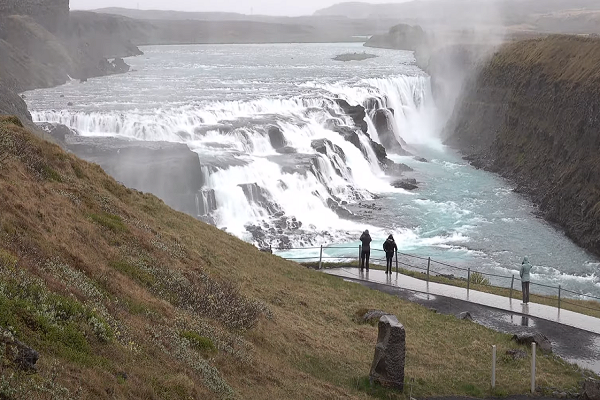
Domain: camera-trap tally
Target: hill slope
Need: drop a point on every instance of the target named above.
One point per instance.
(532, 115)
(125, 298)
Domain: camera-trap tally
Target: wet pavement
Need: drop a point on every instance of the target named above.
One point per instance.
(575, 337)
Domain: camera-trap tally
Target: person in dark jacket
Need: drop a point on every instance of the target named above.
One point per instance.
(365, 253)
(390, 247)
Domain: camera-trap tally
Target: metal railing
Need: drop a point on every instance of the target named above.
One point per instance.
(430, 268)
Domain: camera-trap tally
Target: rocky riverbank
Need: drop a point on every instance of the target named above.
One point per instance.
(531, 115)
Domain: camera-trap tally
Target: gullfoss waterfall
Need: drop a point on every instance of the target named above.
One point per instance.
(280, 172)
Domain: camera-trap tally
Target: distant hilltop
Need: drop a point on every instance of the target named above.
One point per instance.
(51, 14)
(529, 14)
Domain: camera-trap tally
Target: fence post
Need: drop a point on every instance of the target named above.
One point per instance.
(533, 367)
(559, 297)
(428, 264)
(512, 284)
(321, 258)
(359, 255)
(468, 279)
(493, 366)
(270, 249)
(396, 261)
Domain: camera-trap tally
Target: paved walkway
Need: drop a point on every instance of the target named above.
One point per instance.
(574, 336)
(565, 317)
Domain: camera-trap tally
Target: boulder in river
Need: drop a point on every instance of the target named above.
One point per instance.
(276, 137)
(406, 184)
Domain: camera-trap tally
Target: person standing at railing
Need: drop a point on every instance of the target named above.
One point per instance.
(389, 246)
(365, 238)
(525, 278)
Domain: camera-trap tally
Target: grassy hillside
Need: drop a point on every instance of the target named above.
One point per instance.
(125, 298)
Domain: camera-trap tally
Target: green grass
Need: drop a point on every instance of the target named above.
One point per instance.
(377, 391)
(110, 221)
(200, 343)
(135, 273)
(48, 321)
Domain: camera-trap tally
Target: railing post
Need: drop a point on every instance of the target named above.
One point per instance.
(468, 279)
(359, 254)
(512, 284)
(493, 366)
(559, 297)
(533, 367)
(321, 258)
(396, 261)
(428, 265)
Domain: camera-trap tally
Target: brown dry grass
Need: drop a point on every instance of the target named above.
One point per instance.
(122, 254)
(566, 58)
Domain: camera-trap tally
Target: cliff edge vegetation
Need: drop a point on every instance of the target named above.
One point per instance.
(124, 298)
(532, 115)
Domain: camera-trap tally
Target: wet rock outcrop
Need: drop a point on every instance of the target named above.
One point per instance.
(171, 171)
(591, 389)
(383, 119)
(543, 343)
(357, 113)
(259, 196)
(535, 120)
(17, 353)
(276, 137)
(406, 184)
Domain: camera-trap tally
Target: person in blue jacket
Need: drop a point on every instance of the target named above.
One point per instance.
(525, 278)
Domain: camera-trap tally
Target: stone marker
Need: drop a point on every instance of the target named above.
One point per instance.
(390, 352)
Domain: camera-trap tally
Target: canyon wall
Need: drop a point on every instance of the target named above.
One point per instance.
(532, 114)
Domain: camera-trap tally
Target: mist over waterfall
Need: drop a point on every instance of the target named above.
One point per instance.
(282, 171)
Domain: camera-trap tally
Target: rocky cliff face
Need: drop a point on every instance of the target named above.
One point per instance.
(51, 14)
(533, 115)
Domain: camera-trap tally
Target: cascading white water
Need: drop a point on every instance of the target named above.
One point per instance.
(236, 135)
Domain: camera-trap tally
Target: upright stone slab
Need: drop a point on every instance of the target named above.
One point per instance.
(390, 353)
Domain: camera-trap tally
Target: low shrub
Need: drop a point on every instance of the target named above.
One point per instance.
(200, 343)
(110, 221)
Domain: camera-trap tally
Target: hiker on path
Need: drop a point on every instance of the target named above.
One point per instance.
(389, 246)
(365, 253)
(525, 278)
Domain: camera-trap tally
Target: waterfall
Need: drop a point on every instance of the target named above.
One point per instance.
(277, 166)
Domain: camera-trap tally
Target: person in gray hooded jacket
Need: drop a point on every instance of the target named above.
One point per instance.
(525, 278)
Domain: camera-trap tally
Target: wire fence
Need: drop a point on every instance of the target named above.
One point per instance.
(430, 267)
